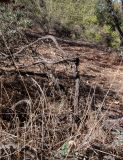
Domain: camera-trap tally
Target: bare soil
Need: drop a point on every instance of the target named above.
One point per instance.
(47, 122)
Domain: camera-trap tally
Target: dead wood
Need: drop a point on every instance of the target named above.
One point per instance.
(46, 62)
(69, 42)
(77, 86)
(63, 54)
(43, 38)
(77, 89)
(22, 73)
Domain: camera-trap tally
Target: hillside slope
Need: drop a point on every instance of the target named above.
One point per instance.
(41, 121)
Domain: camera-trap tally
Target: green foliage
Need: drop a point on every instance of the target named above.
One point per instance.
(72, 12)
(10, 19)
(115, 40)
(113, 36)
(102, 13)
(64, 150)
(106, 23)
(92, 17)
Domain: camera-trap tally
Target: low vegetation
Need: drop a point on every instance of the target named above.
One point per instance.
(61, 80)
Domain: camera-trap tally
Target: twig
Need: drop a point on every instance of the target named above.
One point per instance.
(45, 61)
(38, 40)
(27, 101)
(69, 42)
(40, 89)
(13, 61)
(77, 84)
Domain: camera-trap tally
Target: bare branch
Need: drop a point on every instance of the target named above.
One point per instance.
(38, 40)
(45, 61)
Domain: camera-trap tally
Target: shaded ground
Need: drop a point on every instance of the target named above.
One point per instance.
(51, 130)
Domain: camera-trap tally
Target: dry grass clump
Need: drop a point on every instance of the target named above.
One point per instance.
(42, 128)
(38, 119)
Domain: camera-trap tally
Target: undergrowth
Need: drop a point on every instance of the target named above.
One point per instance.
(38, 119)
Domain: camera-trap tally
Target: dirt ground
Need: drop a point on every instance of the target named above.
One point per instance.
(37, 118)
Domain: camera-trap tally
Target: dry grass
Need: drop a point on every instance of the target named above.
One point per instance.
(50, 129)
(38, 121)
